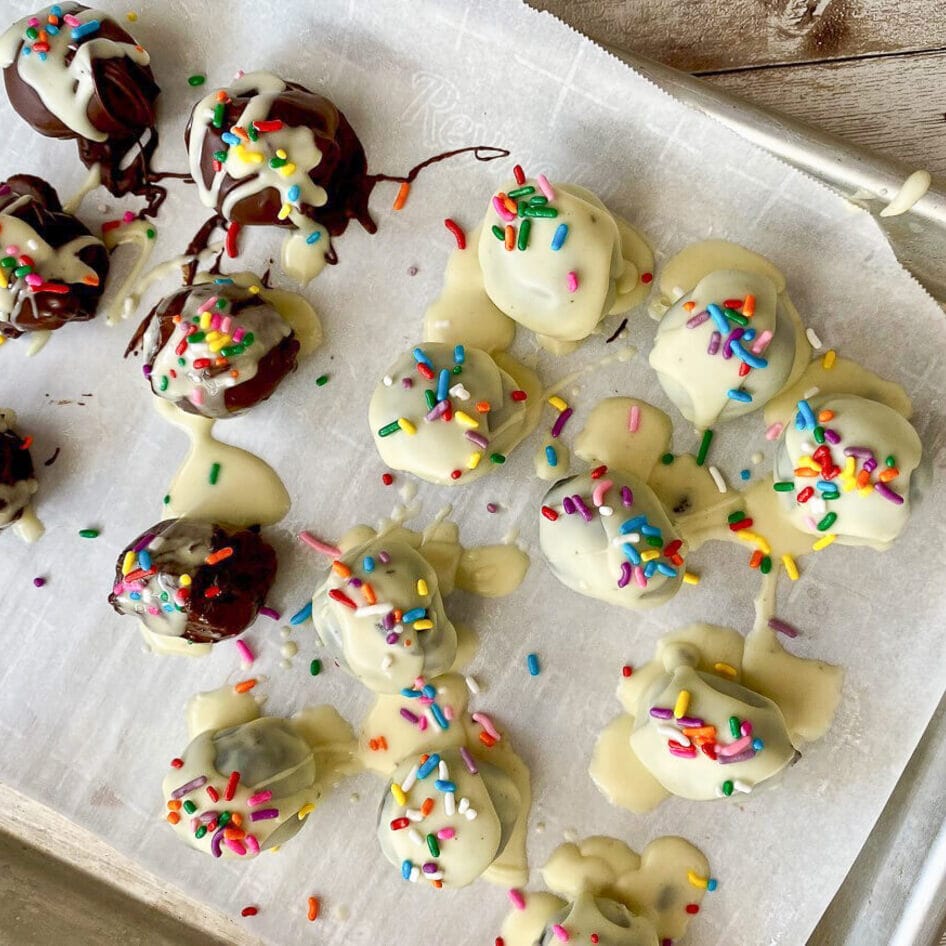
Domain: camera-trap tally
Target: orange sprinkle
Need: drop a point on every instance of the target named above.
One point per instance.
(509, 203)
(806, 471)
(756, 559)
(369, 593)
(863, 478)
(382, 744)
(510, 237)
(408, 642)
(236, 819)
(173, 817)
(398, 614)
(487, 740)
(689, 306)
(244, 685)
(27, 442)
(175, 804)
(748, 307)
(234, 373)
(234, 834)
(437, 883)
(398, 204)
(483, 407)
(93, 280)
(825, 416)
(219, 555)
(221, 96)
(176, 319)
(891, 473)
(341, 569)
(313, 902)
(700, 733)
(427, 807)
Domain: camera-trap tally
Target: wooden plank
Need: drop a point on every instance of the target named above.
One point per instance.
(707, 35)
(894, 105)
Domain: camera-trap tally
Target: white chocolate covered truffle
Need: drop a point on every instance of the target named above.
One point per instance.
(609, 537)
(380, 614)
(844, 468)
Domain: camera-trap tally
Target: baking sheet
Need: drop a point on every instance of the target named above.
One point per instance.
(89, 721)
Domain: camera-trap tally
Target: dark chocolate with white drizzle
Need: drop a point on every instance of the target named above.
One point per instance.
(17, 482)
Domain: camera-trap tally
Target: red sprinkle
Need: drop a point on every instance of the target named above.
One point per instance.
(387, 479)
(177, 763)
(499, 941)
(336, 594)
(733, 303)
(27, 442)
(231, 788)
(458, 234)
(626, 670)
(249, 911)
(647, 278)
(273, 124)
(398, 823)
(455, 474)
(549, 513)
(671, 548)
(425, 371)
(744, 369)
(213, 794)
(519, 174)
(693, 908)
(598, 472)
(232, 232)
(740, 525)
(806, 494)
(518, 395)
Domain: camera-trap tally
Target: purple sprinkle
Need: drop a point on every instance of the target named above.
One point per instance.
(690, 722)
(264, 814)
(888, 493)
(146, 370)
(568, 506)
(407, 382)
(476, 438)
(383, 557)
(438, 410)
(5, 189)
(388, 622)
(205, 817)
(215, 842)
(739, 757)
(583, 510)
(782, 627)
(858, 452)
(189, 787)
(661, 712)
(39, 582)
(561, 421)
(627, 496)
(468, 760)
(392, 638)
(733, 336)
(430, 868)
(625, 578)
(714, 341)
(832, 436)
(143, 542)
(409, 716)
(698, 319)
(271, 613)
(492, 507)
(354, 582)
(870, 464)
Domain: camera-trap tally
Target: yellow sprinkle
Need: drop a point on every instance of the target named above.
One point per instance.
(558, 403)
(305, 811)
(281, 153)
(212, 336)
(465, 420)
(185, 581)
(132, 16)
(424, 624)
(128, 563)
(287, 169)
(824, 541)
(866, 491)
(205, 320)
(4, 282)
(3, 339)
(790, 566)
(406, 426)
(650, 554)
(474, 461)
(746, 536)
(725, 669)
(808, 464)
(218, 344)
(682, 705)
(830, 357)
(696, 879)
(284, 211)
(691, 578)
(848, 483)
(422, 589)
(398, 794)
(254, 290)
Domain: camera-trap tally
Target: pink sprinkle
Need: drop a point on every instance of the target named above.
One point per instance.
(487, 725)
(517, 899)
(319, 545)
(215, 321)
(13, 249)
(600, 491)
(775, 431)
(734, 748)
(639, 576)
(238, 334)
(34, 20)
(271, 613)
(448, 713)
(197, 396)
(500, 208)
(252, 844)
(260, 798)
(545, 186)
(206, 305)
(571, 280)
(128, 216)
(422, 724)
(226, 323)
(634, 419)
(761, 342)
(235, 846)
(34, 279)
(561, 934)
(445, 834)
(154, 610)
(245, 653)
(70, 19)
(746, 727)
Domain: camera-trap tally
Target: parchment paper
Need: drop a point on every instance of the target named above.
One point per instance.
(89, 721)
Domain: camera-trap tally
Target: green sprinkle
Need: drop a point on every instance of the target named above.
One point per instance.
(819, 434)
(214, 473)
(827, 522)
(163, 383)
(727, 788)
(224, 818)
(322, 380)
(164, 596)
(498, 232)
(734, 727)
(430, 398)
(167, 499)
(834, 494)
(315, 668)
(765, 566)
(667, 459)
(252, 133)
(220, 156)
(196, 79)
(524, 191)
(150, 233)
(524, 228)
(278, 162)
(89, 533)
(182, 362)
(195, 338)
(890, 461)
(736, 317)
(248, 340)
(704, 447)
(784, 486)
(654, 541)
(21, 271)
(736, 516)
(539, 200)
(32, 32)
(497, 458)
(200, 832)
(221, 303)
(389, 429)
(457, 369)
(7, 262)
(531, 211)
(189, 807)
(219, 111)
(433, 846)
(231, 351)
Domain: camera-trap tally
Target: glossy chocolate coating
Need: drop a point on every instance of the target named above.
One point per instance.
(16, 466)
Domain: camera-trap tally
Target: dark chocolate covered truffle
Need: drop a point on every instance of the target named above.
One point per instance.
(52, 270)
(194, 580)
(17, 483)
(75, 73)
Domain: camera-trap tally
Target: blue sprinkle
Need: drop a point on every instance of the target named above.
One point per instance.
(716, 314)
(712, 884)
(429, 691)
(734, 394)
(26, 51)
(428, 766)
(649, 569)
(825, 486)
(665, 569)
(368, 564)
(303, 614)
(753, 361)
(223, 281)
(443, 385)
(411, 694)
(560, 233)
(415, 614)
(52, 30)
(748, 335)
(744, 474)
(56, 10)
(230, 138)
(294, 192)
(167, 607)
(758, 745)
(804, 408)
(314, 237)
(144, 559)
(406, 868)
(650, 530)
(85, 29)
(459, 354)
(532, 662)
(42, 57)
(420, 356)
(443, 785)
(438, 716)
(632, 525)
(551, 456)
(631, 553)
(135, 595)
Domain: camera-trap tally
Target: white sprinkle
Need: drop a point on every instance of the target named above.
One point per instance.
(415, 874)
(812, 337)
(413, 814)
(718, 479)
(409, 781)
(388, 380)
(811, 392)
(416, 837)
(670, 732)
(441, 323)
(463, 805)
(741, 786)
(605, 511)
(387, 663)
(470, 814)
(818, 506)
(620, 540)
(443, 771)
(808, 447)
(449, 804)
(373, 610)
(436, 875)
(461, 392)
(757, 457)
(472, 685)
